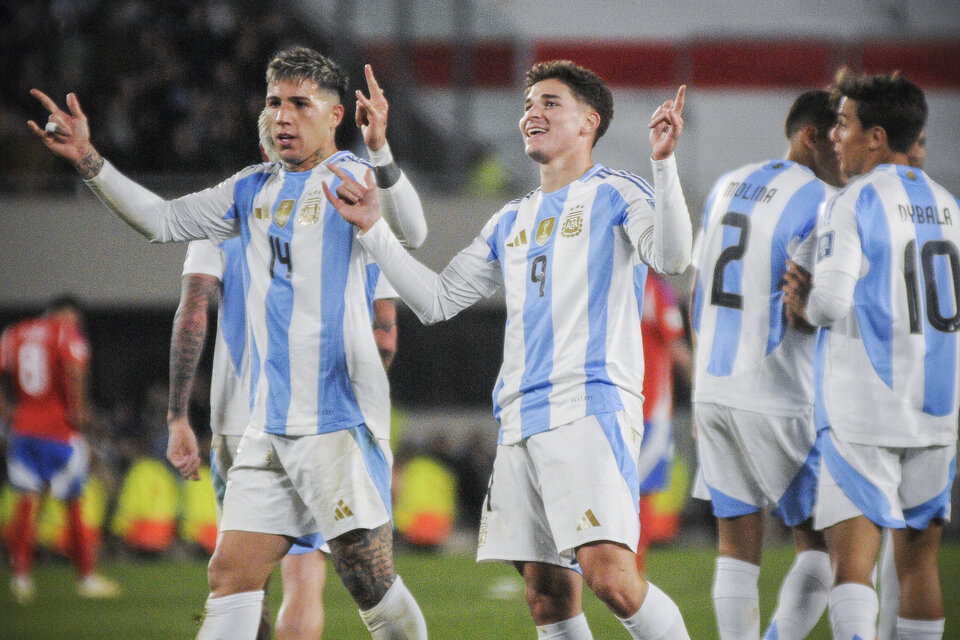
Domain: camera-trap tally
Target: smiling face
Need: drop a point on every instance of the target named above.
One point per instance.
(555, 123)
(303, 120)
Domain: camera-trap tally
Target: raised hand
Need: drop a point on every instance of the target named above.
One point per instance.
(68, 134)
(666, 125)
(358, 204)
(371, 113)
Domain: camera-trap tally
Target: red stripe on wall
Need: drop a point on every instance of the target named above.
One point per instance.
(718, 64)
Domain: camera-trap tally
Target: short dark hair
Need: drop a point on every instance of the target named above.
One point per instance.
(588, 87)
(300, 63)
(816, 107)
(889, 101)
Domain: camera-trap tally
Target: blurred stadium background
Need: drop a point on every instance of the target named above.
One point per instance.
(173, 88)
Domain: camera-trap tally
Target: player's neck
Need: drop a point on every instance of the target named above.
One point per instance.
(561, 171)
(314, 160)
(887, 156)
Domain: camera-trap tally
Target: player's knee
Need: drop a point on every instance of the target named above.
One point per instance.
(618, 593)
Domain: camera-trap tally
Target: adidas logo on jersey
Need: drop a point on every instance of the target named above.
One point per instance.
(342, 511)
(588, 520)
(519, 240)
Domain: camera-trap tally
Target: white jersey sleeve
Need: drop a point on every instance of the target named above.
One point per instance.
(658, 223)
(203, 257)
(206, 214)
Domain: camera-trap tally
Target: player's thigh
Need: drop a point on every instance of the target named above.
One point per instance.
(750, 461)
(513, 523)
(223, 450)
(67, 482)
(342, 478)
(857, 480)
(588, 480)
(927, 475)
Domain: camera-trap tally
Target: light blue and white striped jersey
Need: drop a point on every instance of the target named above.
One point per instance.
(747, 355)
(887, 372)
(307, 282)
(230, 376)
(568, 259)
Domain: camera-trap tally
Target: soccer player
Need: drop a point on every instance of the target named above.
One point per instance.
(886, 286)
(664, 350)
(753, 388)
(45, 363)
(564, 488)
(885, 576)
(315, 456)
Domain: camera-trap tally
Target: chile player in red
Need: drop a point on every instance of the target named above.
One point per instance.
(45, 362)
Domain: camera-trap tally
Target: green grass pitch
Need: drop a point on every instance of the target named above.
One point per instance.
(460, 598)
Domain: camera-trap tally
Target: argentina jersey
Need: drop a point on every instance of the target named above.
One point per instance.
(314, 365)
(572, 344)
(747, 355)
(887, 372)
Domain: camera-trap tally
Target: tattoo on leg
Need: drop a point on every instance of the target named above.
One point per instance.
(363, 559)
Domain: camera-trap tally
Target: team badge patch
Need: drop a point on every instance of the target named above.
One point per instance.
(572, 223)
(825, 246)
(283, 212)
(545, 230)
(311, 209)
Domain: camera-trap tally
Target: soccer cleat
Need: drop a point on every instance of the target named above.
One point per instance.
(97, 587)
(23, 590)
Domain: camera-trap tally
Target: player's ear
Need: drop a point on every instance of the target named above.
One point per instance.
(809, 135)
(877, 137)
(336, 115)
(591, 122)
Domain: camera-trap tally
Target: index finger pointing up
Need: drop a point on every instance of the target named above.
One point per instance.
(678, 101)
(372, 83)
(45, 100)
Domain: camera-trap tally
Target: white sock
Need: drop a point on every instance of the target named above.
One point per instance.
(574, 628)
(658, 618)
(736, 600)
(889, 590)
(919, 629)
(396, 617)
(803, 597)
(233, 617)
(853, 611)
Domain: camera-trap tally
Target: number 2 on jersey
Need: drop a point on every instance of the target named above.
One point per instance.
(718, 295)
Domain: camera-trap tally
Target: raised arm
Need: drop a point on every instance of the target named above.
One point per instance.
(399, 201)
(198, 293)
(669, 248)
(433, 297)
(67, 134)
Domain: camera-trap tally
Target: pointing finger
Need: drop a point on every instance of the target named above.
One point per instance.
(372, 83)
(45, 100)
(678, 101)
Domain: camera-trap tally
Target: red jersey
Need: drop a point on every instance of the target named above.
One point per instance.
(660, 325)
(35, 353)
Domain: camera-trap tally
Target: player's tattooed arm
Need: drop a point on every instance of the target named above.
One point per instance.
(198, 293)
(90, 164)
(363, 559)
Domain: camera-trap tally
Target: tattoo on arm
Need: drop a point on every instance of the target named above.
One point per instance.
(363, 559)
(189, 335)
(90, 165)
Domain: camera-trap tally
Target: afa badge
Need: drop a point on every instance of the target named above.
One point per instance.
(311, 210)
(825, 246)
(572, 223)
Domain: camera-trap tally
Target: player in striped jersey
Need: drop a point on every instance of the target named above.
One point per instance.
(886, 287)
(753, 389)
(315, 456)
(565, 487)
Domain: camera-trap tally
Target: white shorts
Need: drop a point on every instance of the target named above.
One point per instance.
(751, 461)
(297, 486)
(893, 487)
(560, 489)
